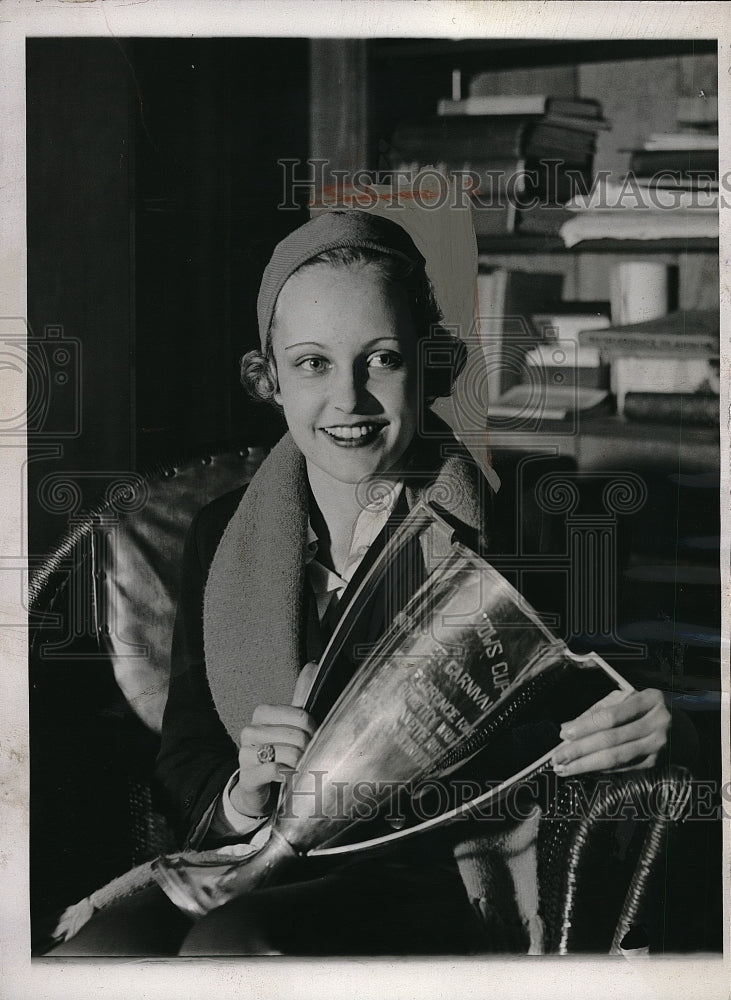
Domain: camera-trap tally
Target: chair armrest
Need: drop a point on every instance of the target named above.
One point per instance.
(598, 847)
(574, 874)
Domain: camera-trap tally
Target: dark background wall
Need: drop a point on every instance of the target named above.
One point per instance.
(153, 187)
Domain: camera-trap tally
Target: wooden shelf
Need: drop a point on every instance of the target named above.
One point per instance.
(518, 243)
(476, 54)
(611, 442)
(408, 76)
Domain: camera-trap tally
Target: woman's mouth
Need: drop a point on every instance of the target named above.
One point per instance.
(353, 435)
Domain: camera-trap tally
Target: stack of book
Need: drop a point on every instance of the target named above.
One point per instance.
(506, 299)
(670, 191)
(624, 211)
(567, 134)
(686, 158)
(513, 152)
(536, 369)
(664, 369)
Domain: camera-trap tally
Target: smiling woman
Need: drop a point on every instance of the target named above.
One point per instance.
(344, 308)
(344, 305)
(346, 363)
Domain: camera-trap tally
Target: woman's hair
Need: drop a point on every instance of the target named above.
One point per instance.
(259, 374)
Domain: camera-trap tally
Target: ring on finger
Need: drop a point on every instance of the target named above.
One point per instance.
(265, 753)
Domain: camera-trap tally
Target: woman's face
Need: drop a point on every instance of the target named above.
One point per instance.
(345, 352)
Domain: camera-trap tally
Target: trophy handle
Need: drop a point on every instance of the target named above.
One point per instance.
(595, 660)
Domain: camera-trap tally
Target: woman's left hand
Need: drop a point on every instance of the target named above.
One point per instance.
(621, 732)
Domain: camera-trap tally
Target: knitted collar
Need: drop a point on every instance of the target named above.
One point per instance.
(253, 612)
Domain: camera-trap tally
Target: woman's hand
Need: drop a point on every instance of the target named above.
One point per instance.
(621, 732)
(288, 729)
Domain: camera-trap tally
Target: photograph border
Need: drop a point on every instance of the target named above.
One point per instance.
(470, 977)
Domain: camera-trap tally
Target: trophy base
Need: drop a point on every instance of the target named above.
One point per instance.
(197, 887)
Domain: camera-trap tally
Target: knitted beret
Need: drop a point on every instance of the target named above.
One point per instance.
(329, 231)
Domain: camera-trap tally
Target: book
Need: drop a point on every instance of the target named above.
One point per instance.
(461, 137)
(690, 333)
(550, 186)
(689, 139)
(497, 104)
(629, 212)
(646, 162)
(492, 178)
(552, 158)
(628, 225)
(569, 318)
(577, 123)
(612, 197)
(670, 180)
(565, 156)
(531, 403)
(582, 107)
(498, 187)
(583, 112)
(661, 375)
(505, 302)
(549, 136)
(691, 408)
(545, 220)
(483, 137)
(489, 181)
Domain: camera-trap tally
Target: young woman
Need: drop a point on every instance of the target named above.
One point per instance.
(344, 309)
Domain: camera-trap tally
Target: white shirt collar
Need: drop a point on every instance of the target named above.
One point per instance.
(328, 585)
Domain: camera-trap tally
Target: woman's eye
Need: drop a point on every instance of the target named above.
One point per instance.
(313, 365)
(385, 359)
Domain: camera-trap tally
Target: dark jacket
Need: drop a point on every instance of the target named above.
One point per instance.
(197, 756)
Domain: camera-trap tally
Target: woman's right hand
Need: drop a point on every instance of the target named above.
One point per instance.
(287, 728)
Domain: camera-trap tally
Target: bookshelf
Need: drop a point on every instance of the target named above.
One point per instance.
(601, 443)
(529, 244)
(516, 53)
(405, 79)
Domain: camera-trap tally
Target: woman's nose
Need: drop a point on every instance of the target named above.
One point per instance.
(347, 391)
